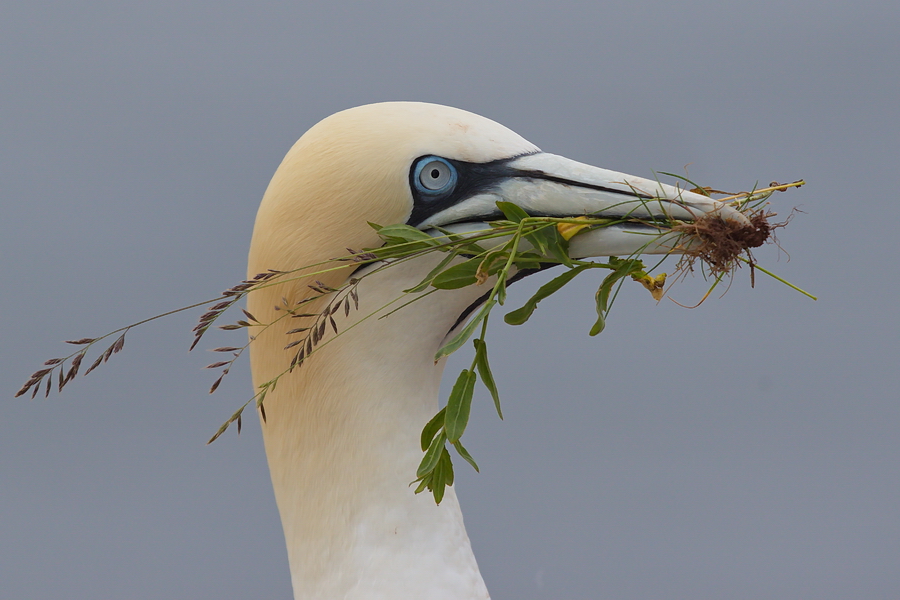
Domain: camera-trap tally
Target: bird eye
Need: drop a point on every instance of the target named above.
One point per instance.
(434, 175)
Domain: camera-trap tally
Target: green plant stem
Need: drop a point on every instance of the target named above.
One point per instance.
(777, 278)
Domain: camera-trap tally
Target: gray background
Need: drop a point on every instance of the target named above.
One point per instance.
(749, 448)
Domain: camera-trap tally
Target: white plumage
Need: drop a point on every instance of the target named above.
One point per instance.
(341, 433)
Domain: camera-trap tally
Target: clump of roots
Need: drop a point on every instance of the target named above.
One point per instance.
(721, 244)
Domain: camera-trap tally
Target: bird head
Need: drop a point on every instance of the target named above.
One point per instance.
(429, 165)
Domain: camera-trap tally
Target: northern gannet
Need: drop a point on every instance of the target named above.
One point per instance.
(342, 433)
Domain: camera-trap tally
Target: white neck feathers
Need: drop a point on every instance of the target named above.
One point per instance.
(342, 442)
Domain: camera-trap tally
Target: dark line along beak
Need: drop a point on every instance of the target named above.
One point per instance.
(550, 185)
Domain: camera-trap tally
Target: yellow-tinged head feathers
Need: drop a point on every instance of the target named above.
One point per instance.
(353, 167)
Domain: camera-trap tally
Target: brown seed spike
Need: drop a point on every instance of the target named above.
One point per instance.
(216, 383)
(24, 389)
(95, 364)
(239, 424)
(53, 361)
(262, 412)
(73, 371)
(81, 341)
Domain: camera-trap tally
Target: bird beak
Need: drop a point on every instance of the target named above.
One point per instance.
(553, 186)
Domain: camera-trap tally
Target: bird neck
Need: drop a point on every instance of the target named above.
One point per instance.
(342, 440)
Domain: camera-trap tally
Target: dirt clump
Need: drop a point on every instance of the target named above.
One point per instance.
(720, 242)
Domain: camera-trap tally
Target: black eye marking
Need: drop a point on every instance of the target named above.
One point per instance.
(438, 183)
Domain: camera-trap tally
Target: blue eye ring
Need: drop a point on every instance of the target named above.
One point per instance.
(434, 176)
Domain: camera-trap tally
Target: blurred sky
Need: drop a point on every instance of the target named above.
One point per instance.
(749, 448)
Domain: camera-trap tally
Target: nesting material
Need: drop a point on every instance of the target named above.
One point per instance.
(720, 243)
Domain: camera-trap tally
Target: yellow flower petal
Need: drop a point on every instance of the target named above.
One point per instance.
(655, 285)
(569, 230)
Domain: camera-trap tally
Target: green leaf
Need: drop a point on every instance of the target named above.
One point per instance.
(442, 476)
(545, 237)
(528, 260)
(621, 268)
(512, 211)
(491, 263)
(559, 246)
(459, 405)
(432, 455)
(446, 465)
(500, 286)
(401, 240)
(427, 280)
(436, 483)
(432, 427)
(461, 243)
(406, 233)
(600, 323)
(484, 371)
(460, 449)
(457, 276)
(521, 315)
(463, 336)
(540, 239)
